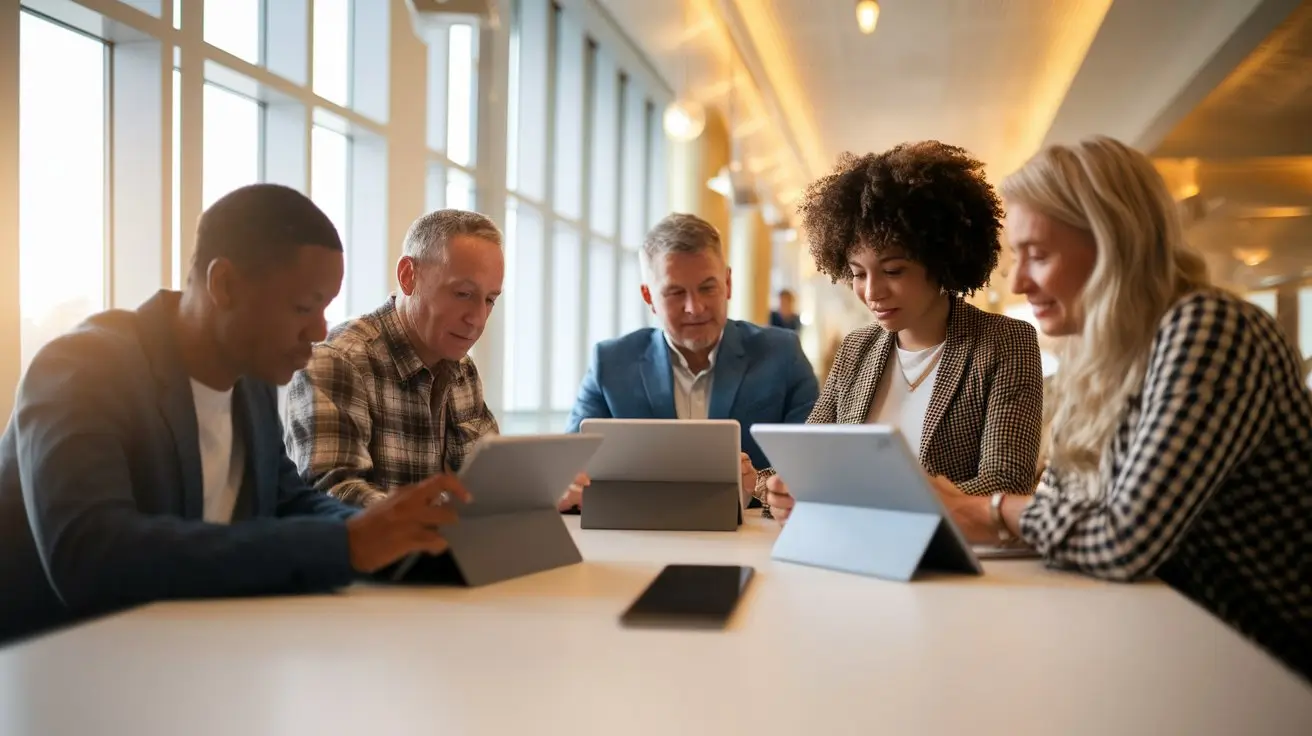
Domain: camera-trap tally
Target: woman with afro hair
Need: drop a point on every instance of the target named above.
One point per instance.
(913, 231)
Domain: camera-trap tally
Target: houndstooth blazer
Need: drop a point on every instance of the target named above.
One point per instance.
(985, 417)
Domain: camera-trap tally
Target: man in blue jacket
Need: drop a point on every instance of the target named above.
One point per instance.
(145, 461)
(698, 364)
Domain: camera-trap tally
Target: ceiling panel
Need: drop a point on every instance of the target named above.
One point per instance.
(984, 74)
(1264, 106)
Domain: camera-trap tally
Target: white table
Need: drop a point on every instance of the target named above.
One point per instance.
(1022, 650)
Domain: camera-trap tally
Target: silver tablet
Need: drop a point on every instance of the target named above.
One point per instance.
(664, 474)
(863, 466)
(516, 474)
(523, 473)
(665, 450)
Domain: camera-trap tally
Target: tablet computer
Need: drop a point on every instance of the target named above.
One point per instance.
(867, 467)
(514, 476)
(523, 473)
(666, 474)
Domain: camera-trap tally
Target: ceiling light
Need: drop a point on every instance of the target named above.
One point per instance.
(1252, 256)
(684, 120)
(735, 184)
(867, 14)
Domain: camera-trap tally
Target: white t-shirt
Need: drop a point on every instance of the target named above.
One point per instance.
(895, 404)
(222, 454)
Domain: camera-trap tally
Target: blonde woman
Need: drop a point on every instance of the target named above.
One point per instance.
(1182, 433)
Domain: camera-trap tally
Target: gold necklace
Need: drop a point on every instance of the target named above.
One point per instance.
(913, 385)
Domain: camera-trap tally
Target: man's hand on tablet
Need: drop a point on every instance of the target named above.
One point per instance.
(574, 494)
(778, 499)
(405, 522)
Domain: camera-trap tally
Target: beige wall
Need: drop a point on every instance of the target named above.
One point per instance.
(744, 233)
(750, 258)
(692, 164)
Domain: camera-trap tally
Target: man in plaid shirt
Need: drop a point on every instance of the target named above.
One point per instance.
(392, 397)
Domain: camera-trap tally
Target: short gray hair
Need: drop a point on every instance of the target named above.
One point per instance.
(428, 236)
(680, 233)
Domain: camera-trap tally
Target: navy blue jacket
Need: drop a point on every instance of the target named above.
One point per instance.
(101, 494)
(761, 375)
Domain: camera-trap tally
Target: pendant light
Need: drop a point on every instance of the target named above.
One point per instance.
(684, 118)
(867, 15)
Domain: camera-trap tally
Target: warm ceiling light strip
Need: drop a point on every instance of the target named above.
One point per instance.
(766, 55)
(1067, 42)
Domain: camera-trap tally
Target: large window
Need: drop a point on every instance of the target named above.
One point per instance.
(524, 288)
(62, 147)
(332, 36)
(581, 191)
(234, 26)
(1266, 299)
(570, 83)
(453, 118)
(232, 143)
(330, 189)
(633, 310)
(133, 119)
(460, 96)
(566, 309)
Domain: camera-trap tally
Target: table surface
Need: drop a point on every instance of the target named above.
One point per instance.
(1020, 650)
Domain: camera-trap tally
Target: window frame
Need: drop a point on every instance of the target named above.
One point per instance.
(628, 71)
(387, 180)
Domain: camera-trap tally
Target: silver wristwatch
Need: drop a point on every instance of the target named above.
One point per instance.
(995, 515)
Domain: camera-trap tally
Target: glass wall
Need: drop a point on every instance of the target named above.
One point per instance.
(62, 162)
(134, 117)
(583, 166)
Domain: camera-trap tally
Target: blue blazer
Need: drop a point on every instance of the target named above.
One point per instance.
(101, 494)
(761, 375)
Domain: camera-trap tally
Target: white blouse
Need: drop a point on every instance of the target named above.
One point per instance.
(895, 403)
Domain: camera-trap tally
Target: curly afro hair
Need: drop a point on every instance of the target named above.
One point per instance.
(928, 199)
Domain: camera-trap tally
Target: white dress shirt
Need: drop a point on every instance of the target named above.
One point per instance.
(692, 391)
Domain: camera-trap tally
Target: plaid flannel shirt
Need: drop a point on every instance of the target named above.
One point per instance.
(361, 417)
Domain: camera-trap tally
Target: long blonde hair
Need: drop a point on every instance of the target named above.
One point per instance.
(1142, 267)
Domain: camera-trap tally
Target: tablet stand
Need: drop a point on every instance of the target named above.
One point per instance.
(661, 506)
(894, 545)
(496, 547)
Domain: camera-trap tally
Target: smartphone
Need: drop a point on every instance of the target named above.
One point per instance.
(697, 596)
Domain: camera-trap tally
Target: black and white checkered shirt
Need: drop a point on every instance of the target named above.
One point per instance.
(362, 417)
(1208, 481)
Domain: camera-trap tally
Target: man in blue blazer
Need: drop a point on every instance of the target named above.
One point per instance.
(698, 364)
(145, 461)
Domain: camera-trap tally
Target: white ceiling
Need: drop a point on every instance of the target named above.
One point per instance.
(984, 74)
(989, 75)
(1002, 77)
